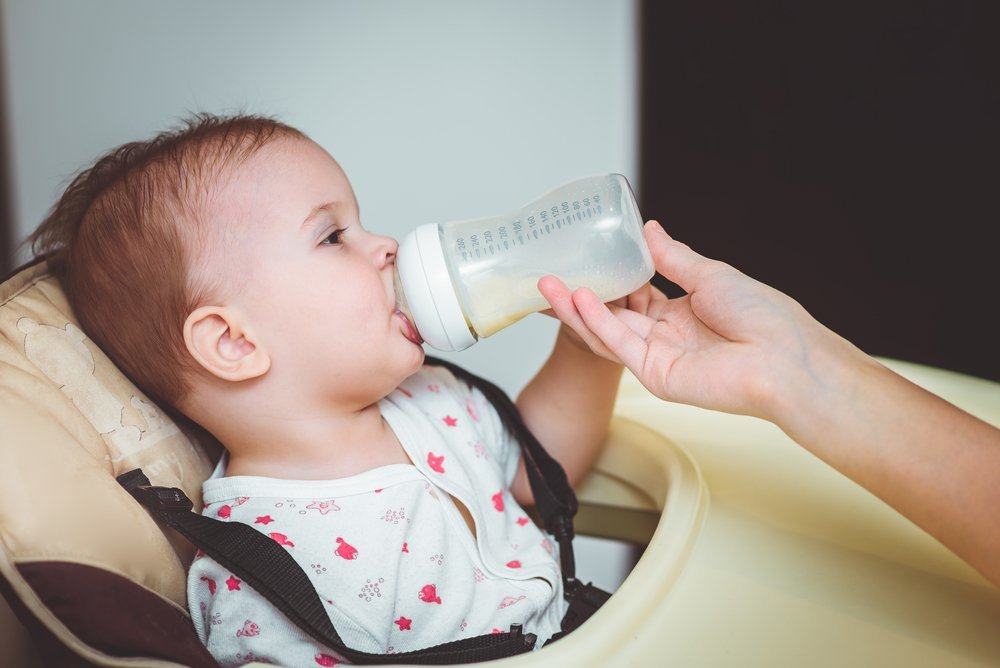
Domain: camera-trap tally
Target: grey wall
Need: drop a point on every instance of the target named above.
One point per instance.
(437, 110)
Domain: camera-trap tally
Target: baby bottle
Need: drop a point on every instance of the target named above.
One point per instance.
(461, 281)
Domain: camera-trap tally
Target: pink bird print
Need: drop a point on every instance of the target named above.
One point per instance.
(233, 583)
(406, 548)
(403, 623)
(249, 630)
(509, 601)
(428, 594)
(521, 521)
(450, 421)
(211, 584)
(498, 500)
(325, 660)
(514, 563)
(345, 550)
(281, 539)
(323, 506)
(264, 519)
(225, 511)
(436, 462)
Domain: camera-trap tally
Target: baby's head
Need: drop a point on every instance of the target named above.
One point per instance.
(223, 267)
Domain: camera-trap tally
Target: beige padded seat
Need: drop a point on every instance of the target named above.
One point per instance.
(70, 422)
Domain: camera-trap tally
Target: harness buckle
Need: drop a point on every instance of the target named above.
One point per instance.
(162, 498)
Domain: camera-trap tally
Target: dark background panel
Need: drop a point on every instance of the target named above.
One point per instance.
(846, 154)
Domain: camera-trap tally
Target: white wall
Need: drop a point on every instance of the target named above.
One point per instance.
(437, 110)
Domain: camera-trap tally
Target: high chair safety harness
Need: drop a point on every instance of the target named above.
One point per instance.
(271, 570)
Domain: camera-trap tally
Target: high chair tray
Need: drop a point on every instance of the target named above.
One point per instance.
(792, 564)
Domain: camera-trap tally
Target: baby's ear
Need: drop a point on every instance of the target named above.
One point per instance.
(221, 341)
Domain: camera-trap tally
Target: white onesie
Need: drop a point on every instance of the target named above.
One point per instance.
(387, 549)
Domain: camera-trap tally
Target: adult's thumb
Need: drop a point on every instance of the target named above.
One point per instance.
(671, 258)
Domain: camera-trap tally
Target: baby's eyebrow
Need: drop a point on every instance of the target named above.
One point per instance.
(318, 209)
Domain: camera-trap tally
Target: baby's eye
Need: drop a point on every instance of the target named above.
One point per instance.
(334, 237)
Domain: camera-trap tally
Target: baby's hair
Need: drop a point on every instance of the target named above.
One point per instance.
(122, 239)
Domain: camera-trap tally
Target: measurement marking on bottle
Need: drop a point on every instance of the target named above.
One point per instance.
(535, 232)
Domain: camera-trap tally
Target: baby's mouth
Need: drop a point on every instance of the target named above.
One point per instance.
(410, 331)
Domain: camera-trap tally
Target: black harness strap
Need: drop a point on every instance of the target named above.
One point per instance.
(271, 570)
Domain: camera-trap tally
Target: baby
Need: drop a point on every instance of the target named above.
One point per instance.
(225, 269)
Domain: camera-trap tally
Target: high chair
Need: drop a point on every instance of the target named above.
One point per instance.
(790, 564)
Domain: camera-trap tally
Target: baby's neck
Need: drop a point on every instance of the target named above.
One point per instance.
(321, 447)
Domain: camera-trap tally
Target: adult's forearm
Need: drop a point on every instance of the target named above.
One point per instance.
(931, 461)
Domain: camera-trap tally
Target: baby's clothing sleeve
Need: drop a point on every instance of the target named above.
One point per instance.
(501, 444)
(238, 625)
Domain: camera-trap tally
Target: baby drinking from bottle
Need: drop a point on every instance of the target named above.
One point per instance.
(259, 307)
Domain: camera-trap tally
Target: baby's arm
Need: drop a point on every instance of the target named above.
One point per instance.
(567, 406)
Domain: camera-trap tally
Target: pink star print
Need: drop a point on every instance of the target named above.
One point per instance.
(450, 421)
(323, 506)
(233, 583)
(264, 519)
(403, 623)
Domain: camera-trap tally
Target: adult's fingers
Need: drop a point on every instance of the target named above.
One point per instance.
(618, 337)
(673, 259)
(561, 299)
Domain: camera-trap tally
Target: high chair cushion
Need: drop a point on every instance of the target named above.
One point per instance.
(81, 561)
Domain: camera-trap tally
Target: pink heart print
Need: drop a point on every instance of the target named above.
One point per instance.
(498, 500)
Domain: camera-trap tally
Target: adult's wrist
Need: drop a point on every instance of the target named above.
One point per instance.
(825, 376)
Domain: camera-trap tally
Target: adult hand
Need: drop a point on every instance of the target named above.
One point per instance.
(737, 345)
(732, 343)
